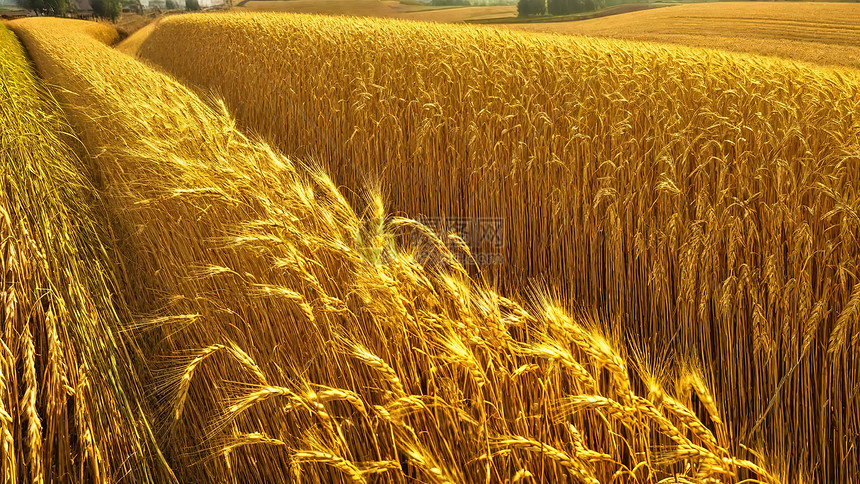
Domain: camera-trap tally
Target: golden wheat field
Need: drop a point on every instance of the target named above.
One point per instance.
(244, 248)
(819, 33)
(698, 201)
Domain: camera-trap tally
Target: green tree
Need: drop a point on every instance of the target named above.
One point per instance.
(559, 7)
(46, 7)
(564, 7)
(531, 7)
(109, 9)
(192, 5)
(170, 5)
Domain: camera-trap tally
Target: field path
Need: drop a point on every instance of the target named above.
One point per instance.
(132, 43)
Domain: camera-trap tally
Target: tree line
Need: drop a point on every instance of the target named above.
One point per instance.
(106, 9)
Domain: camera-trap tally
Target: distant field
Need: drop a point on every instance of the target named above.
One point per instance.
(380, 8)
(817, 32)
(821, 33)
(512, 17)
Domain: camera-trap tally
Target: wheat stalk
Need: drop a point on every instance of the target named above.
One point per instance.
(575, 467)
